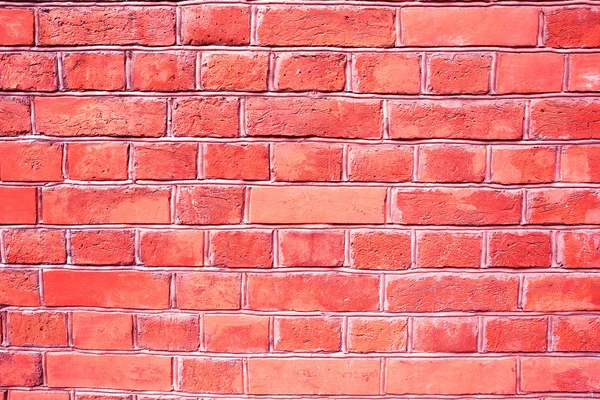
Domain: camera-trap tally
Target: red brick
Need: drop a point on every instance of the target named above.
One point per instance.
(449, 163)
(506, 335)
(236, 161)
(19, 288)
(209, 117)
(31, 161)
(324, 117)
(100, 116)
(470, 26)
(323, 376)
(35, 246)
(514, 165)
(102, 247)
(18, 205)
(165, 161)
(445, 335)
(16, 27)
(308, 334)
(94, 71)
(236, 333)
(147, 26)
(529, 72)
(102, 331)
(584, 73)
(486, 376)
(519, 249)
(172, 248)
(448, 249)
(563, 206)
(366, 335)
(210, 205)
(38, 395)
(310, 71)
(105, 205)
(120, 289)
(28, 71)
(169, 332)
(163, 71)
(211, 375)
(241, 249)
(457, 119)
(208, 291)
(580, 163)
(235, 71)
(579, 249)
(443, 206)
(572, 27)
(561, 292)
(319, 248)
(215, 24)
(387, 73)
(97, 161)
(312, 292)
(39, 329)
(380, 163)
(21, 369)
(307, 162)
(111, 371)
(380, 250)
(560, 374)
(565, 119)
(325, 26)
(455, 73)
(452, 292)
(317, 204)
(14, 115)
(576, 333)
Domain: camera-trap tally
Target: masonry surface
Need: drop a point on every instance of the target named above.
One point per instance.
(271, 199)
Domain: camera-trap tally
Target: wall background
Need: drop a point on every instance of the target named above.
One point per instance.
(276, 200)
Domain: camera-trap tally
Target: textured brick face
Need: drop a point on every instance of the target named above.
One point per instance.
(359, 200)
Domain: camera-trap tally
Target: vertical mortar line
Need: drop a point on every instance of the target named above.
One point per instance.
(200, 162)
(348, 65)
(70, 341)
(36, 26)
(480, 333)
(175, 367)
(554, 247)
(276, 262)
(271, 73)
(3, 247)
(59, 71)
(493, 73)
(424, 73)
(137, 247)
(347, 241)
(173, 291)
(541, 28)
(34, 130)
(520, 293)
(557, 163)
(253, 24)
(398, 27)
(4, 328)
(68, 245)
(382, 282)
(64, 162)
(242, 112)
(246, 205)
(413, 249)
(40, 205)
(488, 163)
(170, 116)
(344, 333)
(173, 203)
(386, 119)
(524, 207)
(566, 72)
(271, 334)
(387, 206)
(135, 329)
(484, 263)
(131, 162)
(128, 72)
(202, 332)
(41, 286)
(345, 166)
(207, 253)
(243, 286)
(245, 376)
(382, 382)
(527, 120)
(416, 154)
(199, 85)
(549, 336)
(518, 375)
(409, 334)
(271, 162)
(178, 25)
(44, 369)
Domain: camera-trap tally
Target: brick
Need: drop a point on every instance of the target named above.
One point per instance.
(380, 250)
(529, 73)
(94, 71)
(146, 26)
(312, 292)
(209, 117)
(105, 205)
(471, 26)
(169, 332)
(18, 205)
(317, 205)
(561, 292)
(235, 71)
(387, 73)
(215, 24)
(520, 165)
(31, 161)
(318, 248)
(19, 288)
(519, 249)
(35, 246)
(455, 73)
(14, 115)
(163, 71)
(452, 163)
(210, 205)
(580, 163)
(560, 374)
(172, 248)
(111, 371)
(120, 289)
(102, 247)
(88, 396)
(97, 161)
(367, 335)
(165, 161)
(579, 249)
(241, 249)
(21, 369)
(211, 375)
(236, 333)
(563, 206)
(448, 249)
(236, 161)
(323, 376)
(584, 73)
(208, 291)
(100, 116)
(102, 331)
(324, 72)
(38, 329)
(307, 334)
(487, 375)
(324, 117)
(576, 333)
(38, 395)
(451, 292)
(380, 163)
(572, 27)
(445, 335)
(325, 26)
(28, 71)
(307, 162)
(565, 119)
(460, 206)
(507, 335)
(457, 119)
(16, 27)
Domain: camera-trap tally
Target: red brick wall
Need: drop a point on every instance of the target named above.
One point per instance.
(275, 200)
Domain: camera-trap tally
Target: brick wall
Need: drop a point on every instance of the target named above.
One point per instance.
(276, 200)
